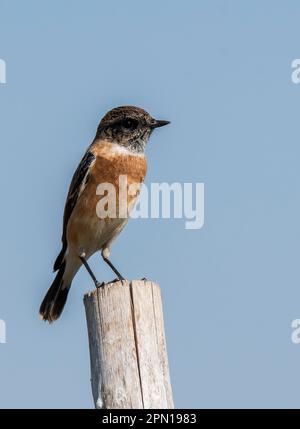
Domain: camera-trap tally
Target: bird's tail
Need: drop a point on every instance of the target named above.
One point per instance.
(55, 299)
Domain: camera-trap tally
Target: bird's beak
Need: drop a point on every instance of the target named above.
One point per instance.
(158, 124)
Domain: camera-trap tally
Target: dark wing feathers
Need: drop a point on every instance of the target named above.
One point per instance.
(78, 183)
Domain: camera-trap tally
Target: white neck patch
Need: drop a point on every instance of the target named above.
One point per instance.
(122, 150)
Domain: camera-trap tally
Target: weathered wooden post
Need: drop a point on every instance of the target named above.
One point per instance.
(129, 363)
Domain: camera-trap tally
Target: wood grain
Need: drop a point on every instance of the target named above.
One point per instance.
(129, 364)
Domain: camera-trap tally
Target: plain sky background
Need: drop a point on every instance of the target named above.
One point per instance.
(221, 72)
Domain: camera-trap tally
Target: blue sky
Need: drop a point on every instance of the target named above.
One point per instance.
(221, 72)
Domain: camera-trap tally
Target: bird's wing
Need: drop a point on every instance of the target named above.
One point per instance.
(77, 186)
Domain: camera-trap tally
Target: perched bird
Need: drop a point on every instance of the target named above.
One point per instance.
(118, 149)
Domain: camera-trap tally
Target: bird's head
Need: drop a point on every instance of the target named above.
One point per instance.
(129, 127)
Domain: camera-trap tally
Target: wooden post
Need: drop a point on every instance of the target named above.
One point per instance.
(129, 363)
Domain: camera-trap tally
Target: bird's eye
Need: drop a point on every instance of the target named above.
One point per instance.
(130, 124)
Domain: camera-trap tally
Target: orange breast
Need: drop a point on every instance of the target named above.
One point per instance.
(84, 225)
(110, 164)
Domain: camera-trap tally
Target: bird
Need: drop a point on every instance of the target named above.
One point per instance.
(118, 149)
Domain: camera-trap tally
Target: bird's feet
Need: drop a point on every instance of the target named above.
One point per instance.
(98, 284)
(116, 280)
